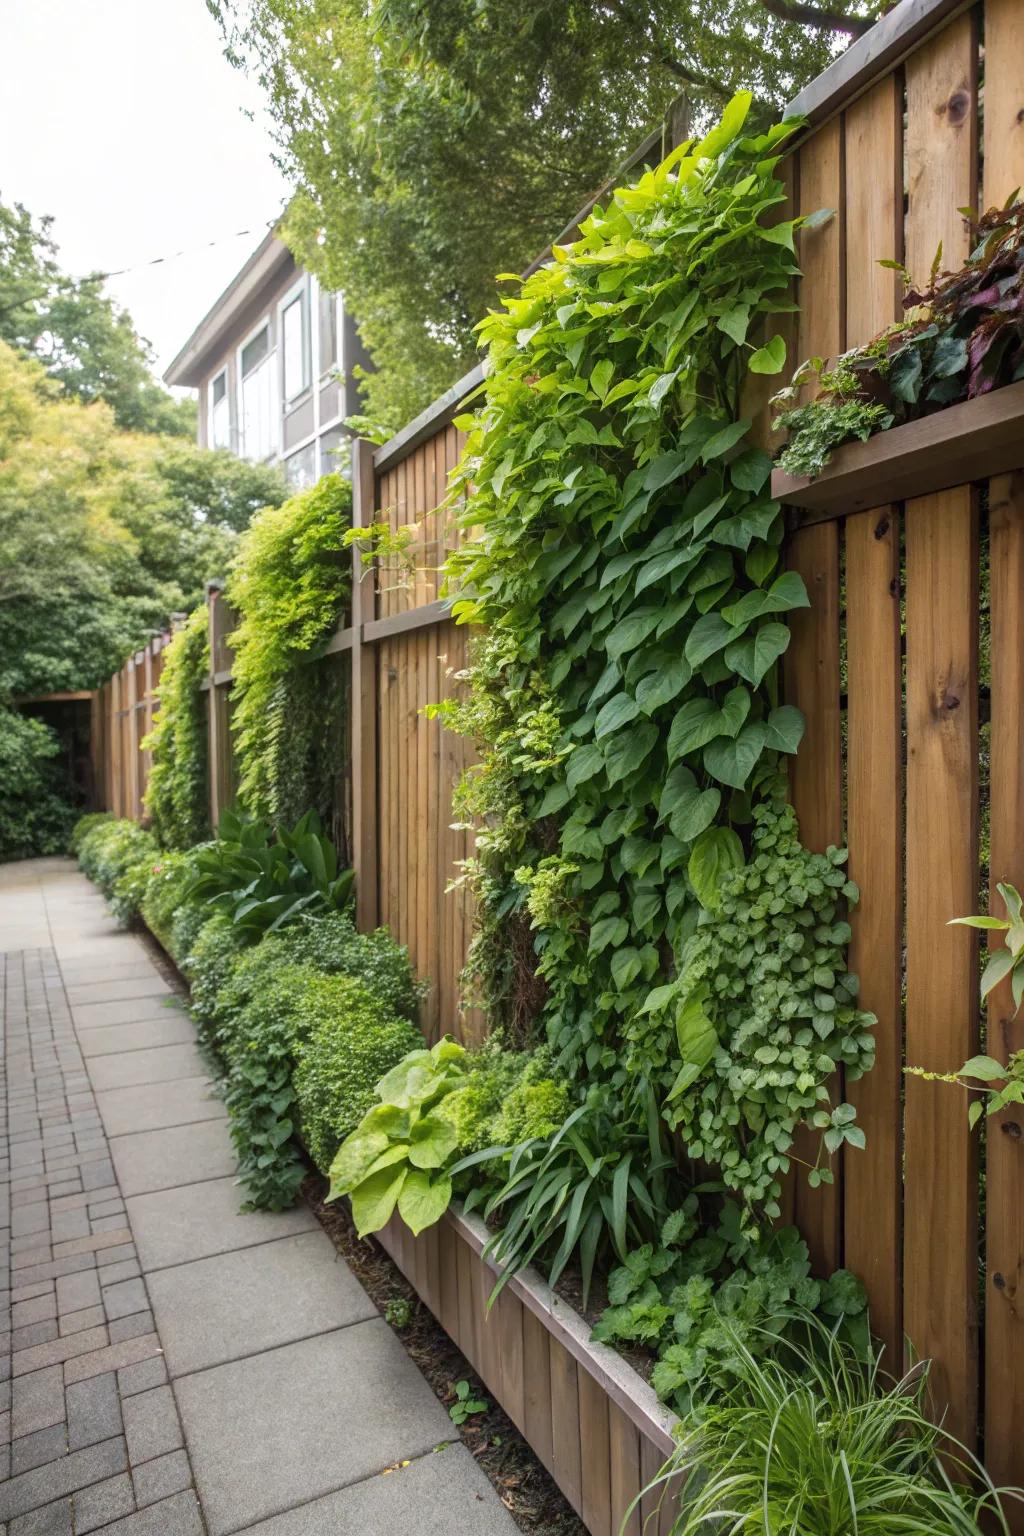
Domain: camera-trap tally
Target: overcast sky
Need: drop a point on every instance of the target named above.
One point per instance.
(123, 120)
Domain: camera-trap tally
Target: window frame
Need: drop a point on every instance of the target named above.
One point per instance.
(211, 406)
(297, 294)
(269, 361)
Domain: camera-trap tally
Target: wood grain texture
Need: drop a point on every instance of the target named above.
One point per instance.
(1004, 1184)
(812, 684)
(940, 1160)
(595, 1457)
(1004, 100)
(821, 323)
(565, 1419)
(625, 1480)
(537, 1395)
(873, 130)
(508, 1313)
(874, 814)
(942, 146)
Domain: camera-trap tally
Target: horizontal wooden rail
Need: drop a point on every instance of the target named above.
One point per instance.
(401, 623)
(965, 442)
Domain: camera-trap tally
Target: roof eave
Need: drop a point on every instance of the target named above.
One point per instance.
(190, 365)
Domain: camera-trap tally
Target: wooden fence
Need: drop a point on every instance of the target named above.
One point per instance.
(909, 667)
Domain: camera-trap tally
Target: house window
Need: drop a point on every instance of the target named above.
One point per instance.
(259, 403)
(300, 468)
(328, 331)
(220, 412)
(295, 344)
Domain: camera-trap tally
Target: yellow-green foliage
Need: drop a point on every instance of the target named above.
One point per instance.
(289, 584)
(176, 797)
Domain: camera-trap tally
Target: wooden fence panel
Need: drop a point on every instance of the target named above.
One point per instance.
(421, 762)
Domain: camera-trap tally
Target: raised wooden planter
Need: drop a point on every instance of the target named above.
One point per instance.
(970, 441)
(591, 1419)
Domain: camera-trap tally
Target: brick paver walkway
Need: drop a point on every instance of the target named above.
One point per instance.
(172, 1367)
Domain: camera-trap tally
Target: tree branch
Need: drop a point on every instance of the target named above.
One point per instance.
(811, 16)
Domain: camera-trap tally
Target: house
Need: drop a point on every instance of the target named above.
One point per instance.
(273, 362)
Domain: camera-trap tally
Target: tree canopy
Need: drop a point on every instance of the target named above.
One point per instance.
(435, 143)
(103, 533)
(81, 337)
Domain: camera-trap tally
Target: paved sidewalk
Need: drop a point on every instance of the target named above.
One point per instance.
(174, 1367)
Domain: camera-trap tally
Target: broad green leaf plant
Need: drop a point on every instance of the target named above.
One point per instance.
(623, 560)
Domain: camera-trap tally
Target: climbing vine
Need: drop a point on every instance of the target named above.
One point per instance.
(623, 559)
(176, 797)
(289, 584)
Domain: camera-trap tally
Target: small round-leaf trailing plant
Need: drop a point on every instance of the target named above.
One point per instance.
(624, 562)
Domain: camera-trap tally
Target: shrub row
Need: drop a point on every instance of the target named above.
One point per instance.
(299, 1026)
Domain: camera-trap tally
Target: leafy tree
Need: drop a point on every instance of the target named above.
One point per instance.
(457, 137)
(103, 534)
(81, 337)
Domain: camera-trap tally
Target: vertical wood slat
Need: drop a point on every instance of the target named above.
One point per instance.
(1004, 1165)
(872, 1177)
(626, 1482)
(1004, 1169)
(871, 1190)
(940, 1163)
(595, 1457)
(537, 1401)
(812, 683)
(363, 683)
(812, 661)
(942, 146)
(565, 1417)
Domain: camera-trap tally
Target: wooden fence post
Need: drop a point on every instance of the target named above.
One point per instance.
(364, 697)
(217, 715)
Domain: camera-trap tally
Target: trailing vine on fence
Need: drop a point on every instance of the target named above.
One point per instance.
(624, 561)
(176, 798)
(289, 584)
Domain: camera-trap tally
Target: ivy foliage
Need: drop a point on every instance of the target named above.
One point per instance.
(176, 795)
(623, 557)
(627, 569)
(289, 584)
(746, 1040)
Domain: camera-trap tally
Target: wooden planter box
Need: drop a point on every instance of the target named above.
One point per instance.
(969, 441)
(591, 1419)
